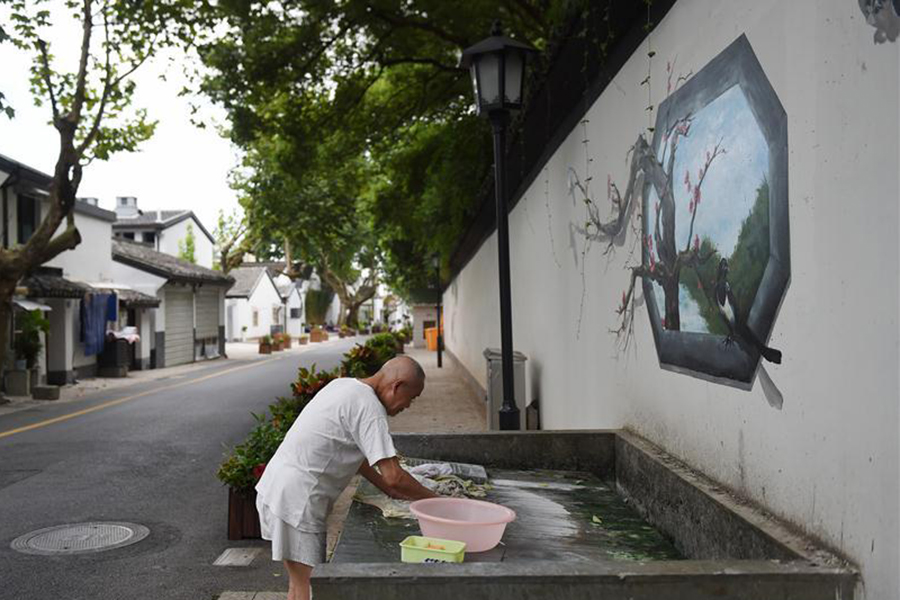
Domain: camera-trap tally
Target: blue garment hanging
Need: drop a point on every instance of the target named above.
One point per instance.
(112, 308)
(94, 313)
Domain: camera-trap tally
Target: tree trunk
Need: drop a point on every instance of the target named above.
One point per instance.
(6, 294)
(673, 314)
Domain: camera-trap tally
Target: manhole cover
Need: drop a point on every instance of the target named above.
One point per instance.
(80, 538)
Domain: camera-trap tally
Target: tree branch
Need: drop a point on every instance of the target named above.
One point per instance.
(401, 22)
(78, 100)
(67, 240)
(42, 46)
(420, 61)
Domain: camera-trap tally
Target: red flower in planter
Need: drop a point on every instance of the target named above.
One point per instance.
(258, 470)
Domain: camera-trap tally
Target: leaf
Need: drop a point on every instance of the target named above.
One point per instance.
(596, 520)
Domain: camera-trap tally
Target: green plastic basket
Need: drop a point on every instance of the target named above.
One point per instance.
(415, 549)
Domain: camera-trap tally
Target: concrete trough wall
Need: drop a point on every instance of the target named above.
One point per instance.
(592, 451)
(681, 580)
(735, 549)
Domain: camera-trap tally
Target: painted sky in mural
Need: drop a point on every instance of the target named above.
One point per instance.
(730, 190)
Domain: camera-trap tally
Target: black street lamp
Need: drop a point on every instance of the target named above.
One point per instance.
(497, 65)
(436, 263)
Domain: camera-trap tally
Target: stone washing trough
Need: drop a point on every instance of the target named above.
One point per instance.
(662, 531)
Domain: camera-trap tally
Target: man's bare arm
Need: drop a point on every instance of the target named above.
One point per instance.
(394, 481)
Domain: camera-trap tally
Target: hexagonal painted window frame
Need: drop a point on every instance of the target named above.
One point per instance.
(704, 355)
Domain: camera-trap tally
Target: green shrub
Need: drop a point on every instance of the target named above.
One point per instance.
(238, 469)
(242, 466)
(28, 341)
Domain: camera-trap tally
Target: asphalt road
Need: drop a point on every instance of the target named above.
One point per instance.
(149, 459)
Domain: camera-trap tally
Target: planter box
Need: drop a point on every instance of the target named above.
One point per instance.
(342, 334)
(303, 339)
(287, 341)
(278, 347)
(18, 382)
(265, 348)
(243, 518)
(318, 336)
(45, 392)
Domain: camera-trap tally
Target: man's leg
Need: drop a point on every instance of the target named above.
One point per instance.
(298, 588)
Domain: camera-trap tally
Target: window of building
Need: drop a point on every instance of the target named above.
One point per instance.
(255, 318)
(150, 238)
(128, 235)
(295, 313)
(27, 213)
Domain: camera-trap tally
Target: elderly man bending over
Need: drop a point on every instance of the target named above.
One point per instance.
(341, 432)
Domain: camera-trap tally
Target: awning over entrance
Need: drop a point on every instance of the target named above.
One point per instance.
(31, 304)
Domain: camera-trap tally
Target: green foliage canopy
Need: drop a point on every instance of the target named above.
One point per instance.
(362, 145)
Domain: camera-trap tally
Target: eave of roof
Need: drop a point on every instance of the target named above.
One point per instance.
(123, 223)
(166, 266)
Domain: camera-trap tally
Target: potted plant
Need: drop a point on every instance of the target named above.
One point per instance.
(265, 345)
(303, 339)
(286, 341)
(277, 343)
(27, 346)
(318, 335)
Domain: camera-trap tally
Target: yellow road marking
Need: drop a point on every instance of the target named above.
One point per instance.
(132, 397)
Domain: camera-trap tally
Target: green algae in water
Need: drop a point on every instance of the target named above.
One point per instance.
(555, 521)
(602, 524)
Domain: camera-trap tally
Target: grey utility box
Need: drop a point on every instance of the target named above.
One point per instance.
(495, 386)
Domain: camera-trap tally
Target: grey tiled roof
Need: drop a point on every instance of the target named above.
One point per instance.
(149, 217)
(132, 298)
(50, 285)
(160, 219)
(146, 259)
(245, 281)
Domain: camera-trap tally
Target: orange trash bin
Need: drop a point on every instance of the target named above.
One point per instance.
(431, 338)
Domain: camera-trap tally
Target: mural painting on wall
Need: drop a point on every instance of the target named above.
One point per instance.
(884, 16)
(712, 220)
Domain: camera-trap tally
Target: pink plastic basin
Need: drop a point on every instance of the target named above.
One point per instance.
(477, 523)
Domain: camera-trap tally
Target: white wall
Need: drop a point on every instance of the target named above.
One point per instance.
(203, 247)
(828, 460)
(91, 260)
(295, 326)
(264, 298)
(420, 314)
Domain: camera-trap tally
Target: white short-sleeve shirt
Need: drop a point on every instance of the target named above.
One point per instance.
(344, 423)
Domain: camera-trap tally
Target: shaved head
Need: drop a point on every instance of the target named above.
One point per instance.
(398, 383)
(405, 369)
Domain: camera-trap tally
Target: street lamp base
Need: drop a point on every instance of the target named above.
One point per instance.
(509, 418)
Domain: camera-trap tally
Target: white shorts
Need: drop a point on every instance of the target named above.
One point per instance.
(289, 543)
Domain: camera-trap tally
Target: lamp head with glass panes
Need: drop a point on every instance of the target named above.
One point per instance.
(497, 67)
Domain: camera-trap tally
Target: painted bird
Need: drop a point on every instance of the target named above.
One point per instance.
(738, 329)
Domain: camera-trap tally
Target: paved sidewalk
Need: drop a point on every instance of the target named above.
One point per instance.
(447, 405)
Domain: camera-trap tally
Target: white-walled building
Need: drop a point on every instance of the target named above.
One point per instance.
(424, 316)
(292, 314)
(163, 230)
(190, 321)
(72, 279)
(254, 306)
(803, 97)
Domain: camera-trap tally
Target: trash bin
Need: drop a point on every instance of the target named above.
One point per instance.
(495, 386)
(431, 338)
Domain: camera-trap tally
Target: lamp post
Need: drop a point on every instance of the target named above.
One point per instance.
(436, 263)
(497, 66)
